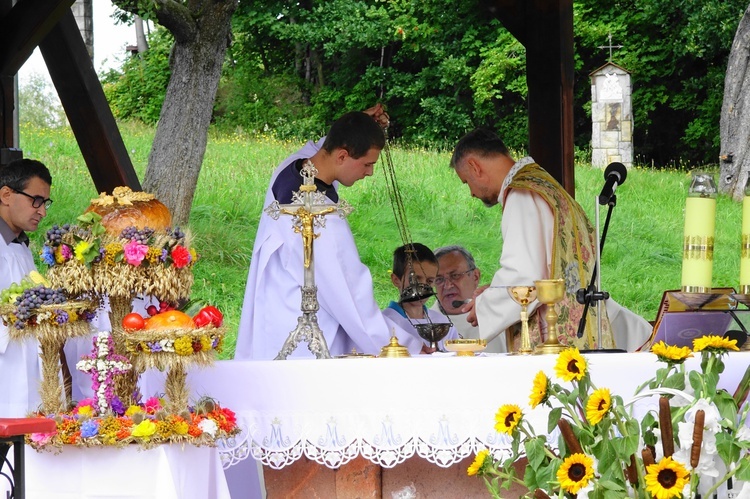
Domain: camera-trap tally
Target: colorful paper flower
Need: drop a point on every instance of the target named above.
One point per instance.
(135, 252)
(180, 256)
(144, 429)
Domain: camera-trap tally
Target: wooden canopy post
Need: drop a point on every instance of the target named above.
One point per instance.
(545, 28)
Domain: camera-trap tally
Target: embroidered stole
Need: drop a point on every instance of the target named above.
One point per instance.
(573, 259)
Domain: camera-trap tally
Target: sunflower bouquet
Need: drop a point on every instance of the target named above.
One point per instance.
(696, 442)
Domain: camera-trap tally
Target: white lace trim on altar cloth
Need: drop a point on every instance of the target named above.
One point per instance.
(387, 447)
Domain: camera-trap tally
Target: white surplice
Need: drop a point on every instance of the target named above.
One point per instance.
(528, 234)
(19, 360)
(349, 316)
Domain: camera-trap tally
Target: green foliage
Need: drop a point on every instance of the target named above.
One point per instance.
(37, 105)
(137, 90)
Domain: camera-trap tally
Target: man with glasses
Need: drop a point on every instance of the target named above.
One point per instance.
(456, 282)
(24, 198)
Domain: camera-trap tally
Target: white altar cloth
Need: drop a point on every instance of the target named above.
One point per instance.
(438, 407)
(164, 472)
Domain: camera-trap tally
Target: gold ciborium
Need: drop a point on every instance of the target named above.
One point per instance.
(523, 295)
(550, 292)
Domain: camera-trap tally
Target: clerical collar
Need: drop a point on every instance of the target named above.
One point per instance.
(509, 177)
(9, 237)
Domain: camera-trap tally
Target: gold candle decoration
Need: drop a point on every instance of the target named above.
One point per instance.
(698, 242)
(745, 248)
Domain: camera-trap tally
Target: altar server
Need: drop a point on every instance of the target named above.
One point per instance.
(418, 259)
(24, 198)
(546, 234)
(349, 316)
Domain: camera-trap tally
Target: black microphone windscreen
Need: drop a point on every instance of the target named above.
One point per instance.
(618, 169)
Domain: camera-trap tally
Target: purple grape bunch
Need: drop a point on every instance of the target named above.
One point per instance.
(133, 234)
(33, 298)
(176, 233)
(56, 233)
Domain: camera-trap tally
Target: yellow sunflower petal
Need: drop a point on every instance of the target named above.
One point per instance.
(507, 418)
(714, 342)
(597, 405)
(570, 365)
(666, 479)
(539, 389)
(575, 472)
(478, 462)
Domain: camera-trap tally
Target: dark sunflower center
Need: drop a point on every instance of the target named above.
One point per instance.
(573, 366)
(602, 405)
(576, 472)
(510, 418)
(667, 478)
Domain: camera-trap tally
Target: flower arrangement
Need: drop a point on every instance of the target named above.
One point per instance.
(84, 258)
(696, 442)
(146, 424)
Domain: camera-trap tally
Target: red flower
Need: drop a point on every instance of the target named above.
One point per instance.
(180, 256)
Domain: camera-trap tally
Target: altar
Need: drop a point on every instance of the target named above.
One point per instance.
(394, 423)
(164, 472)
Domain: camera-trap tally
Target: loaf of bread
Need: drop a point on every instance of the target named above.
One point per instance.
(125, 208)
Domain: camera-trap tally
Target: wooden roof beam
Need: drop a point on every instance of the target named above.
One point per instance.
(86, 107)
(24, 27)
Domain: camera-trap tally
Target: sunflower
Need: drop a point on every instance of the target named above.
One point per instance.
(507, 418)
(570, 365)
(713, 342)
(575, 472)
(539, 394)
(478, 462)
(672, 354)
(666, 479)
(597, 405)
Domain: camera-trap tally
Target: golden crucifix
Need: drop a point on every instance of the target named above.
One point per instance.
(308, 210)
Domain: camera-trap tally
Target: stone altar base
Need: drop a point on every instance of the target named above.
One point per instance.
(360, 479)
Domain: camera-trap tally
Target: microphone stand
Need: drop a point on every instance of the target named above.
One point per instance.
(587, 296)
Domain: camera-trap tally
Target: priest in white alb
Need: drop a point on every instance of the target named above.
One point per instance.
(546, 235)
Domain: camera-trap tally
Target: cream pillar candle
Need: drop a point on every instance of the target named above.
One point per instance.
(698, 241)
(745, 248)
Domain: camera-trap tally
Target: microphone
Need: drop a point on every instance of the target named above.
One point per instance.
(614, 175)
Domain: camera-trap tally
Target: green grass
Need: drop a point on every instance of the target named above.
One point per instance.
(641, 258)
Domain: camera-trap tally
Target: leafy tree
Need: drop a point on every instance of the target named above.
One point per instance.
(37, 105)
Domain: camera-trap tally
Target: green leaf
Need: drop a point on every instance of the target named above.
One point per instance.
(743, 469)
(535, 451)
(554, 416)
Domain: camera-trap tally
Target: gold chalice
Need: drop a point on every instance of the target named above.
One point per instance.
(523, 295)
(550, 292)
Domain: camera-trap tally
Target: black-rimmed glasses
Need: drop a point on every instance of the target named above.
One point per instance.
(36, 201)
(452, 277)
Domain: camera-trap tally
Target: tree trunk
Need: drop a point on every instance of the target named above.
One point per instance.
(140, 36)
(182, 132)
(735, 114)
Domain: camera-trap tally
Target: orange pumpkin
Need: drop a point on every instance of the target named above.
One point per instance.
(171, 319)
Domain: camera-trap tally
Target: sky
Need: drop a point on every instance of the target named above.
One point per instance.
(110, 41)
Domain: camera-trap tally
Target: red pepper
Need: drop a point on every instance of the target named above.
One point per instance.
(209, 314)
(202, 319)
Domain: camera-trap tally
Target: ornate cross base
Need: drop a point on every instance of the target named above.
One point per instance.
(307, 328)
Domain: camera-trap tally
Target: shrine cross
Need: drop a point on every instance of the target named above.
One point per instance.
(102, 365)
(610, 47)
